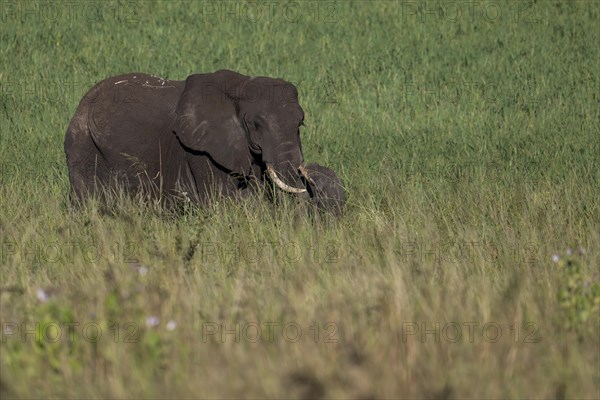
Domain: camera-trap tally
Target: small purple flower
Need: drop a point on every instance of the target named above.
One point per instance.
(152, 321)
(569, 252)
(143, 270)
(555, 258)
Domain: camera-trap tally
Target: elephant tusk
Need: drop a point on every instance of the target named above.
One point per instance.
(279, 182)
(305, 174)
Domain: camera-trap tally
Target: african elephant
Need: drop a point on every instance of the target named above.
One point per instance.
(325, 188)
(217, 133)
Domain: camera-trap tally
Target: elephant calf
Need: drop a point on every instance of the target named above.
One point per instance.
(325, 188)
(218, 133)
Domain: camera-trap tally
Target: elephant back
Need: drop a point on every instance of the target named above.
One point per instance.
(129, 103)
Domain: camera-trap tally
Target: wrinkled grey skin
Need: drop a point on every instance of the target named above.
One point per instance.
(325, 189)
(213, 133)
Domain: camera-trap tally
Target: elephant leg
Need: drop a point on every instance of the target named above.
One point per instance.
(86, 176)
(88, 170)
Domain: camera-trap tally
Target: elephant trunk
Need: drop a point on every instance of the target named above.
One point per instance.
(283, 163)
(280, 184)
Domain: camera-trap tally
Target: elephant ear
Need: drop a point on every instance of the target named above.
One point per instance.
(207, 119)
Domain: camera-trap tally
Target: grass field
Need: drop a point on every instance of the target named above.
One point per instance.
(466, 264)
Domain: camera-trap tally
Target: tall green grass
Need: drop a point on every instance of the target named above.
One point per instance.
(467, 139)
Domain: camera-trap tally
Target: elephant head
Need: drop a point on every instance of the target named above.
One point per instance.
(239, 121)
(325, 188)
